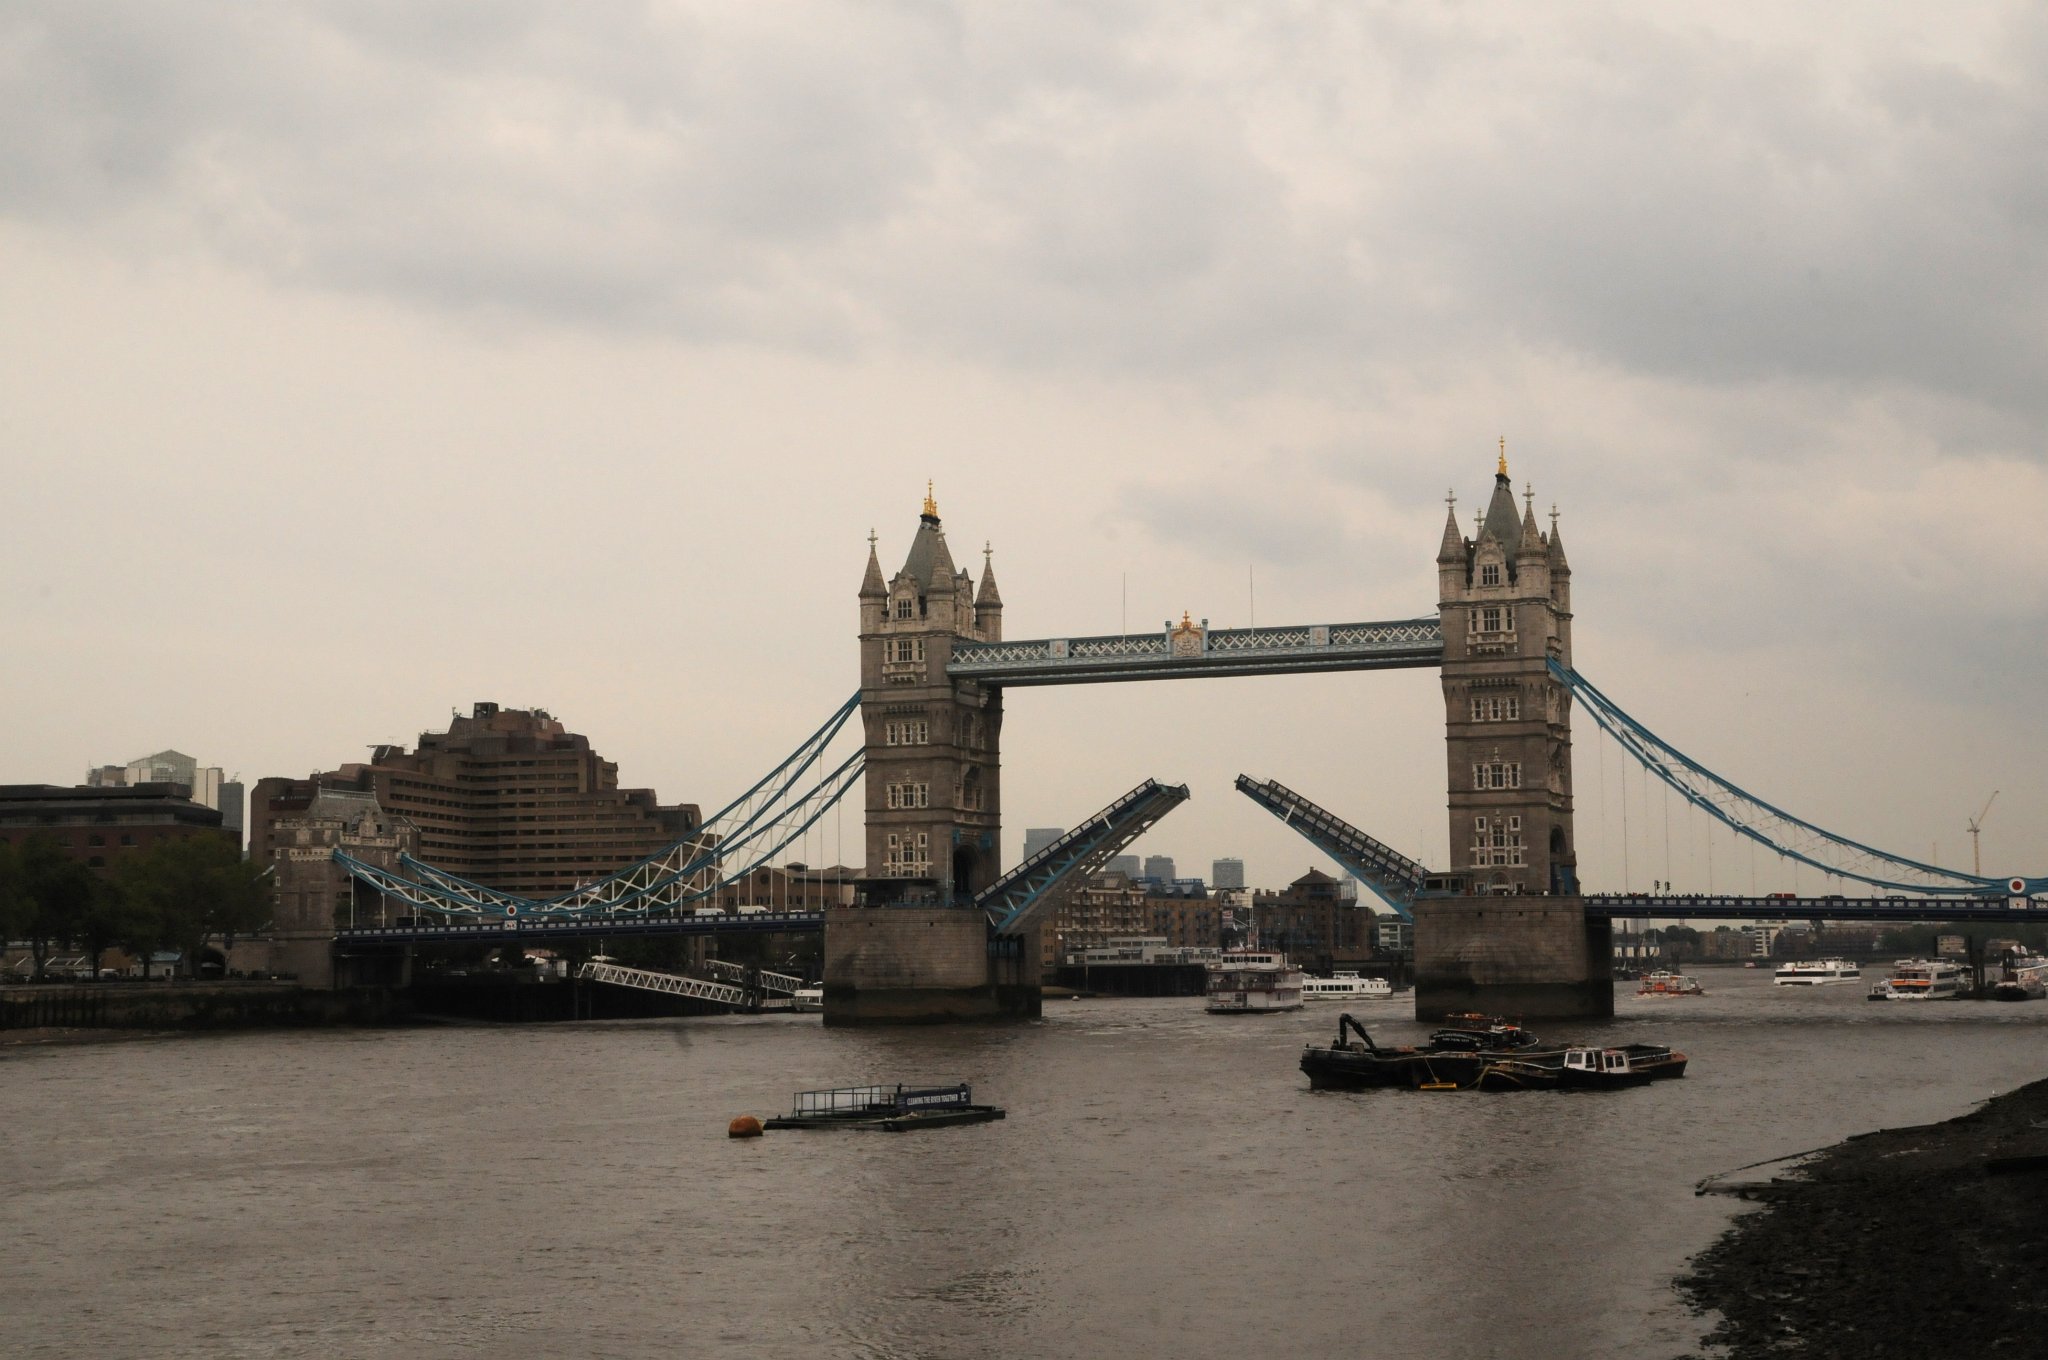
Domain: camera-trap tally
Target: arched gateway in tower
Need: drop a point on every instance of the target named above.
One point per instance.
(1502, 926)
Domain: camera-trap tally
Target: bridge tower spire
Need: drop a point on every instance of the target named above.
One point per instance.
(934, 807)
(1505, 602)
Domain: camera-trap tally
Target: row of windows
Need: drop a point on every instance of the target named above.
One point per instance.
(1489, 574)
(1497, 775)
(907, 856)
(909, 795)
(906, 649)
(1494, 618)
(909, 732)
(1496, 707)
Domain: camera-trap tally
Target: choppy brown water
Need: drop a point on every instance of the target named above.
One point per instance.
(1164, 1185)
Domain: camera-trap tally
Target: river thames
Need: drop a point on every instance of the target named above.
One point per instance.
(1165, 1184)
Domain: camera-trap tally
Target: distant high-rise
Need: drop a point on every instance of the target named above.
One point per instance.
(1227, 873)
(205, 783)
(1127, 865)
(1160, 867)
(1038, 837)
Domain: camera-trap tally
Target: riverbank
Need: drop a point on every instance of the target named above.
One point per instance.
(1925, 1242)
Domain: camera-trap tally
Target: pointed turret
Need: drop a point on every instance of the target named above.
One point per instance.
(1453, 547)
(1558, 566)
(1532, 537)
(988, 601)
(872, 587)
(1501, 520)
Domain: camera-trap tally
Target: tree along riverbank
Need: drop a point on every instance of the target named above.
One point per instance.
(1925, 1242)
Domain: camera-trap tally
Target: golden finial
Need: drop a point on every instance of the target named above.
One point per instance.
(1503, 455)
(1185, 620)
(931, 507)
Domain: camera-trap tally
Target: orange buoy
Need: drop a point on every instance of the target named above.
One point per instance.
(746, 1126)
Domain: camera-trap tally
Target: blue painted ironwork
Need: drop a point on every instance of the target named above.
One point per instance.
(1015, 901)
(1773, 827)
(1391, 875)
(1196, 650)
(499, 930)
(744, 835)
(2021, 910)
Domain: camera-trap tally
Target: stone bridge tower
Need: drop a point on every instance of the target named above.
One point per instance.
(934, 792)
(1505, 601)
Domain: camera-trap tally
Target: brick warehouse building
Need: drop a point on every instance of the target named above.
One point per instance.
(98, 826)
(1312, 922)
(507, 797)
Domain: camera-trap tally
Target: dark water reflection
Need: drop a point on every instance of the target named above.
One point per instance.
(1165, 1185)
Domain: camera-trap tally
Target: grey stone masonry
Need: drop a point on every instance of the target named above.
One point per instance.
(934, 792)
(1505, 602)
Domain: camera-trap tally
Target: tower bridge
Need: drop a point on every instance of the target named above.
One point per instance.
(943, 932)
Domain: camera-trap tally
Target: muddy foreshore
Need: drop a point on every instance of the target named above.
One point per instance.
(1922, 1242)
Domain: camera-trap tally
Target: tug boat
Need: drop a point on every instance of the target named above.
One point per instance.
(1343, 986)
(1663, 983)
(1816, 972)
(1249, 981)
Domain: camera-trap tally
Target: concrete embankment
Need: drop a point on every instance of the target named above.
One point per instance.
(196, 1006)
(1926, 1242)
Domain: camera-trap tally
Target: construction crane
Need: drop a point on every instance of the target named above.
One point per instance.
(1976, 822)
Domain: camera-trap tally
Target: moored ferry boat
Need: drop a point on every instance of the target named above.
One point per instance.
(1244, 981)
(1921, 980)
(1816, 972)
(1343, 986)
(1670, 984)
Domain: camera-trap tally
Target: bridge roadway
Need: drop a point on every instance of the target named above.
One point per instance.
(1724, 908)
(1178, 653)
(530, 928)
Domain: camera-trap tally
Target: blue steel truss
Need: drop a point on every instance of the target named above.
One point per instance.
(741, 837)
(1015, 901)
(1775, 828)
(1391, 875)
(1191, 650)
(541, 929)
(1711, 907)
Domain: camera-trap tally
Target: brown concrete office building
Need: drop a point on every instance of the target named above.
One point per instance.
(509, 798)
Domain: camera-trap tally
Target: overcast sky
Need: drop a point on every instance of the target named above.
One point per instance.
(361, 359)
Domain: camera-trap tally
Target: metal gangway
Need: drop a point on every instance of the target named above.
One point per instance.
(1389, 873)
(674, 984)
(782, 984)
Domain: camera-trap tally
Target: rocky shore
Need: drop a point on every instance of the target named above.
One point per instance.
(1921, 1242)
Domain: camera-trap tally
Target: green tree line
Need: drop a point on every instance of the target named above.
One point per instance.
(175, 895)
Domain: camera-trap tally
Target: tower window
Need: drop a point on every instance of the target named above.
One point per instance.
(1489, 575)
(1496, 707)
(1497, 775)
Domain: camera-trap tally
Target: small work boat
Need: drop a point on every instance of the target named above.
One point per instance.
(892, 1109)
(1600, 1069)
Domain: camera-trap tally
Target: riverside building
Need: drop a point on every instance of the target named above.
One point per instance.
(506, 797)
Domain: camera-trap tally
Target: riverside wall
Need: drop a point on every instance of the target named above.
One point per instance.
(1533, 957)
(200, 1006)
(902, 965)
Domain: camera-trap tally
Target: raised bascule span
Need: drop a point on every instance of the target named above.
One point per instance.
(1394, 877)
(1015, 902)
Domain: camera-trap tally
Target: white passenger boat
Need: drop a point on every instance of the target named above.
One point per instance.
(1342, 986)
(1247, 980)
(1816, 972)
(1921, 980)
